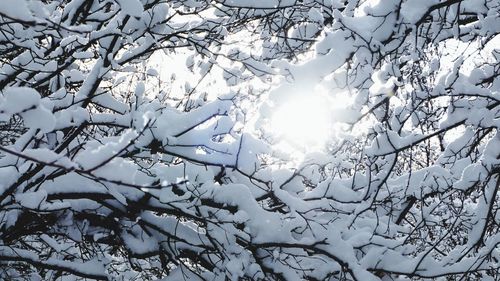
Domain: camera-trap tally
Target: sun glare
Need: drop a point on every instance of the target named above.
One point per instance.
(303, 123)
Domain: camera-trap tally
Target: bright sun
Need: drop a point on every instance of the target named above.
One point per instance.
(303, 123)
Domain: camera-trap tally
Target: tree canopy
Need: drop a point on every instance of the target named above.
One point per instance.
(137, 140)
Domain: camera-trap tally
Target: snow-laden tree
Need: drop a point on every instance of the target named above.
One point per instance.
(135, 141)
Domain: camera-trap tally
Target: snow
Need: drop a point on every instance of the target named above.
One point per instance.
(19, 99)
(48, 156)
(144, 131)
(98, 154)
(16, 9)
(76, 75)
(180, 273)
(266, 4)
(26, 102)
(108, 101)
(40, 118)
(139, 246)
(414, 10)
(31, 200)
(131, 7)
